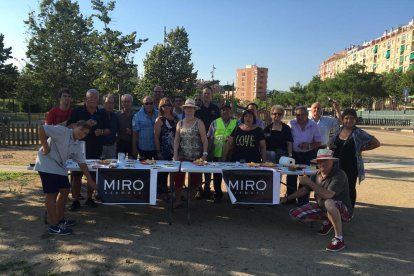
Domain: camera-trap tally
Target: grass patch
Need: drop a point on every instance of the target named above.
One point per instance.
(16, 180)
(5, 176)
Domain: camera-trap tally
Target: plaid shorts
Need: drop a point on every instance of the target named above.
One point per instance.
(312, 211)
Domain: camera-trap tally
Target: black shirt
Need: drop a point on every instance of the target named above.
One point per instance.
(278, 139)
(208, 114)
(93, 143)
(247, 145)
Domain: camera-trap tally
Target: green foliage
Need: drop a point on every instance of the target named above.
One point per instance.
(114, 65)
(60, 50)
(170, 66)
(8, 72)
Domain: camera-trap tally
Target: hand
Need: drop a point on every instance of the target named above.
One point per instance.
(91, 122)
(45, 150)
(304, 180)
(304, 146)
(283, 200)
(204, 157)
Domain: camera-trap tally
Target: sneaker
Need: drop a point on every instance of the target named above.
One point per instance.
(335, 245)
(58, 230)
(325, 229)
(74, 206)
(67, 222)
(91, 203)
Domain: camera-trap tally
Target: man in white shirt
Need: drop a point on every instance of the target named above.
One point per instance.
(327, 125)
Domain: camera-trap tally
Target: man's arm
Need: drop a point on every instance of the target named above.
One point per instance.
(322, 192)
(299, 193)
(43, 140)
(85, 170)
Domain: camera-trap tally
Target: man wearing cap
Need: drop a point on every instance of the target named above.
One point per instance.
(218, 133)
(207, 113)
(333, 204)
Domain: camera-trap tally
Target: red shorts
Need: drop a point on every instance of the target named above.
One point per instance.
(312, 211)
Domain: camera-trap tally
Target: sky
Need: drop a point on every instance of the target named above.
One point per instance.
(291, 37)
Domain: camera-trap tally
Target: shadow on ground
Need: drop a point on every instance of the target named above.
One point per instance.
(222, 239)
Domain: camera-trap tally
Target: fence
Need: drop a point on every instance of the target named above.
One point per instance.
(19, 135)
(383, 122)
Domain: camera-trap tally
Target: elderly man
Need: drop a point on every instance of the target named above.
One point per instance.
(100, 126)
(306, 139)
(158, 95)
(219, 132)
(125, 115)
(109, 146)
(59, 115)
(327, 125)
(333, 204)
(207, 113)
(143, 144)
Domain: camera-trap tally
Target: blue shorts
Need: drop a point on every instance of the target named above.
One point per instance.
(52, 183)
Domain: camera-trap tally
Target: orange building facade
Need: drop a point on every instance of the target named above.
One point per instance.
(251, 83)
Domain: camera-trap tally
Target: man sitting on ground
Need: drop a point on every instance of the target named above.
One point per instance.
(333, 204)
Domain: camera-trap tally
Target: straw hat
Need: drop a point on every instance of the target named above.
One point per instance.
(324, 154)
(190, 103)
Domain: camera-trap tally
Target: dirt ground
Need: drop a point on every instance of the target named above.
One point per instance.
(222, 239)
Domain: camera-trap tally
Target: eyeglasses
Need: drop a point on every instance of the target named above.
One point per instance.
(302, 114)
(149, 103)
(166, 105)
(277, 113)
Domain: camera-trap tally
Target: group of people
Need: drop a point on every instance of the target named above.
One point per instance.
(166, 129)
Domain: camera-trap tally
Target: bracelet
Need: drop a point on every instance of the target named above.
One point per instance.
(205, 153)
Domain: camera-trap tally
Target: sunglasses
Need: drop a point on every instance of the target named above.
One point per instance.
(297, 115)
(149, 103)
(277, 113)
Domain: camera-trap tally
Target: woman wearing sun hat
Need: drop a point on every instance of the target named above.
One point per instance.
(190, 143)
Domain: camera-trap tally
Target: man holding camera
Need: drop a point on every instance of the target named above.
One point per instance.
(327, 125)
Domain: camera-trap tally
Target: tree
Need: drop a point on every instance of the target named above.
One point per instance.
(113, 64)
(8, 72)
(60, 49)
(170, 66)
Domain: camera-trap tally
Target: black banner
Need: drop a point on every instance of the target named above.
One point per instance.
(253, 186)
(127, 186)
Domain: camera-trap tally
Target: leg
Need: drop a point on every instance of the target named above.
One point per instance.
(207, 180)
(51, 208)
(218, 193)
(76, 185)
(61, 203)
(334, 216)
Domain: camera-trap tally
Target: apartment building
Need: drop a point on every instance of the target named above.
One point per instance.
(393, 51)
(251, 83)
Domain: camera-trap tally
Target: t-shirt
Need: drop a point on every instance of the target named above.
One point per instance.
(278, 139)
(62, 147)
(56, 116)
(93, 143)
(336, 181)
(328, 126)
(247, 145)
(208, 114)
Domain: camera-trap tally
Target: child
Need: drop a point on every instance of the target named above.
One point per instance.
(58, 145)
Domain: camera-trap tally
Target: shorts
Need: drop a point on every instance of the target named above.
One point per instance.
(312, 211)
(52, 183)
